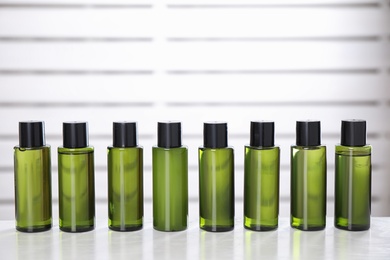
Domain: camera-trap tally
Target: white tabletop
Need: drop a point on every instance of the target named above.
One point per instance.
(284, 243)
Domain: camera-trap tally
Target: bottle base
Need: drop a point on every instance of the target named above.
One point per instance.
(302, 228)
(217, 228)
(260, 228)
(170, 230)
(125, 228)
(77, 229)
(353, 227)
(34, 229)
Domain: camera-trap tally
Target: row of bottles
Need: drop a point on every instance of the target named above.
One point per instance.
(170, 179)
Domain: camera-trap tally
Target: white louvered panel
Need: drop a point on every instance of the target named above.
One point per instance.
(195, 61)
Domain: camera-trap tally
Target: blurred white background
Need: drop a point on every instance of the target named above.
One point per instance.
(194, 61)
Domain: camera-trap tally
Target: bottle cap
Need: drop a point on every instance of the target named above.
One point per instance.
(169, 134)
(353, 132)
(215, 135)
(32, 134)
(124, 134)
(75, 134)
(308, 133)
(262, 133)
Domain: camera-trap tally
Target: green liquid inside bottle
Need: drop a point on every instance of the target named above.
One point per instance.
(76, 185)
(261, 188)
(170, 188)
(353, 188)
(125, 188)
(33, 208)
(216, 189)
(308, 187)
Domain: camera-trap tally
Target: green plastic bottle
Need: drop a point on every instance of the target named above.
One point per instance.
(32, 168)
(216, 179)
(261, 178)
(125, 179)
(353, 178)
(308, 178)
(76, 180)
(170, 179)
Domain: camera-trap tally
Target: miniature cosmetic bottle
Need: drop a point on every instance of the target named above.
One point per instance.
(353, 178)
(32, 169)
(216, 179)
(170, 179)
(308, 178)
(125, 179)
(76, 180)
(261, 178)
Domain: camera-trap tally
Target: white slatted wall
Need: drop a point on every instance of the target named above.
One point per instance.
(194, 61)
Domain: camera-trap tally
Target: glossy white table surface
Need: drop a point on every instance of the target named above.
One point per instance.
(284, 243)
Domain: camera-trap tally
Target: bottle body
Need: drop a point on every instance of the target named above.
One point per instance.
(216, 189)
(353, 187)
(33, 200)
(261, 188)
(170, 188)
(308, 187)
(76, 187)
(125, 188)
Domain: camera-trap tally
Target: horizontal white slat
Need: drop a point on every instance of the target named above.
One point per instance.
(256, 22)
(273, 55)
(77, 22)
(190, 56)
(192, 1)
(285, 22)
(198, 88)
(238, 117)
(95, 56)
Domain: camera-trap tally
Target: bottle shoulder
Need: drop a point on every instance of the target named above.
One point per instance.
(276, 147)
(125, 148)
(229, 148)
(183, 147)
(22, 149)
(319, 147)
(354, 150)
(82, 150)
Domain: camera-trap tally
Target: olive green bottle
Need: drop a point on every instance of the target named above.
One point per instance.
(261, 178)
(125, 179)
(170, 179)
(76, 180)
(32, 169)
(216, 179)
(353, 178)
(308, 178)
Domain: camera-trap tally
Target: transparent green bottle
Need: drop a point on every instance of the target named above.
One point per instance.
(261, 178)
(308, 178)
(353, 178)
(76, 180)
(125, 179)
(32, 169)
(170, 179)
(216, 179)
